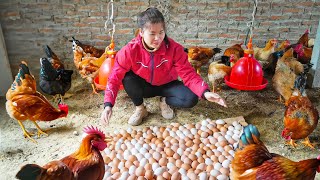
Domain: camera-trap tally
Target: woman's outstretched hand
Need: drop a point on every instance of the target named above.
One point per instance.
(106, 115)
(213, 97)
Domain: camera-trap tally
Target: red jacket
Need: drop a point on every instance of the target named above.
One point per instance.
(158, 68)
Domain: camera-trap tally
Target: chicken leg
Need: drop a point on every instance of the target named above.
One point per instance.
(26, 133)
(307, 142)
(40, 131)
(94, 89)
(292, 143)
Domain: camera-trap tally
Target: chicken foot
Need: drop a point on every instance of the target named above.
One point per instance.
(307, 142)
(292, 143)
(94, 89)
(26, 133)
(40, 131)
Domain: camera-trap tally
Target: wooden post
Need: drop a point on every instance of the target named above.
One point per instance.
(6, 78)
(315, 70)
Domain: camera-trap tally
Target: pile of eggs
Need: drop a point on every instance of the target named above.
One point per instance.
(192, 151)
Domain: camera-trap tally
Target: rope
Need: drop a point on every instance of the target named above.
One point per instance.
(251, 23)
(110, 20)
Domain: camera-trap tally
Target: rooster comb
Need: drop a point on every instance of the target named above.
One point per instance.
(94, 130)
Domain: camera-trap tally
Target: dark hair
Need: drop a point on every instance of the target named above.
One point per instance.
(153, 16)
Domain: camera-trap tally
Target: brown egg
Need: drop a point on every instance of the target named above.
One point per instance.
(179, 163)
(176, 176)
(221, 158)
(204, 134)
(132, 177)
(116, 162)
(224, 171)
(187, 160)
(106, 159)
(163, 161)
(209, 168)
(176, 156)
(169, 152)
(116, 175)
(128, 164)
(162, 129)
(165, 134)
(132, 158)
(196, 141)
(192, 157)
(194, 164)
(191, 175)
(166, 175)
(114, 169)
(214, 158)
(200, 160)
(140, 171)
(198, 171)
(223, 143)
(148, 166)
(201, 166)
(136, 163)
(140, 178)
(223, 129)
(149, 174)
(186, 166)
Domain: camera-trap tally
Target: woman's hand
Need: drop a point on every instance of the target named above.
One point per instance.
(213, 97)
(106, 114)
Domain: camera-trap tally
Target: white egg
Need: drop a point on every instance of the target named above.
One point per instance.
(182, 171)
(208, 161)
(120, 165)
(153, 146)
(132, 169)
(170, 165)
(226, 163)
(204, 122)
(129, 130)
(220, 121)
(134, 151)
(203, 176)
(143, 150)
(222, 177)
(180, 151)
(155, 166)
(119, 156)
(159, 171)
(143, 162)
(124, 175)
(194, 131)
(217, 166)
(147, 155)
(214, 173)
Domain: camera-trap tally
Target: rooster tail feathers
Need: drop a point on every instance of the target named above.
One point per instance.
(216, 50)
(48, 51)
(225, 60)
(250, 135)
(29, 172)
(186, 50)
(23, 70)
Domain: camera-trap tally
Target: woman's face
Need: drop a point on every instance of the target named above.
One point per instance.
(153, 35)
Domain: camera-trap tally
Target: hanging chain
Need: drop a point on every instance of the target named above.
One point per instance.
(110, 20)
(251, 23)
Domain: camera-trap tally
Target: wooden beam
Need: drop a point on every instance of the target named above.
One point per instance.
(315, 70)
(6, 78)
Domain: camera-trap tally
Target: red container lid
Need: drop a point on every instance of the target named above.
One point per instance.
(246, 74)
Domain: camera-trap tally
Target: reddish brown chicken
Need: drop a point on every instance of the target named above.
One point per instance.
(301, 117)
(25, 103)
(253, 161)
(85, 163)
(199, 56)
(88, 49)
(304, 38)
(237, 52)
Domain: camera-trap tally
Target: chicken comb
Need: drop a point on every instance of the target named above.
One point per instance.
(94, 130)
(318, 157)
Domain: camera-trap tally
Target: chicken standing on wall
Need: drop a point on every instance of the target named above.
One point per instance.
(24, 102)
(199, 56)
(84, 164)
(253, 161)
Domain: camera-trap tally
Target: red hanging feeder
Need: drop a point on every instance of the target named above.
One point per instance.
(247, 73)
(105, 70)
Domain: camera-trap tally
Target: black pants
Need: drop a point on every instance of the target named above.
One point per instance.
(176, 93)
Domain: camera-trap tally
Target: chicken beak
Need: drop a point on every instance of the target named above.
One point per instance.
(108, 139)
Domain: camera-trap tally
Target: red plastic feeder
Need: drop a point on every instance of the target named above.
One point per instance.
(101, 80)
(246, 74)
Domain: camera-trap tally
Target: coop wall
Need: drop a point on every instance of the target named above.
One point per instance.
(30, 24)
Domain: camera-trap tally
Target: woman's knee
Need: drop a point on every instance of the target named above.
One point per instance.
(191, 101)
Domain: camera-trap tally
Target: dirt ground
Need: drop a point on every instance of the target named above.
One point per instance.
(258, 107)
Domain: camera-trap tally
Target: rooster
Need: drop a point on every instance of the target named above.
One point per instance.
(301, 117)
(199, 56)
(304, 39)
(24, 102)
(85, 163)
(54, 79)
(254, 161)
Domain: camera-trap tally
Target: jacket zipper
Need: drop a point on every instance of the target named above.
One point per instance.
(152, 64)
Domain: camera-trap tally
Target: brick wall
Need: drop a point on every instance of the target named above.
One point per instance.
(30, 24)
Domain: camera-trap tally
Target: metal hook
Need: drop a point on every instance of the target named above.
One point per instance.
(110, 20)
